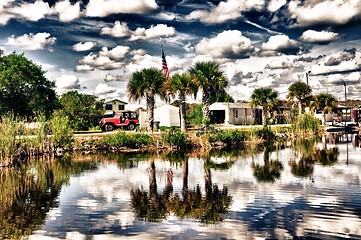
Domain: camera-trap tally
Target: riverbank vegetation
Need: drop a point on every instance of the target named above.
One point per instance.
(57, 117)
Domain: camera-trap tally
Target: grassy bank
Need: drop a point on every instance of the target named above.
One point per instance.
(18, 142)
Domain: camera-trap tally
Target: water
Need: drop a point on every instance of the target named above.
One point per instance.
(303, 190)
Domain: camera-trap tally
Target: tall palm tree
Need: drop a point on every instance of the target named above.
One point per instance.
(267, 98)
(300, 91)
(147, 83)
(182, 85)
(326, 102)
(211, 80)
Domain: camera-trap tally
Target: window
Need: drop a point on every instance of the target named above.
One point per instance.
(121, 107)
(236, 113)
(108, 107)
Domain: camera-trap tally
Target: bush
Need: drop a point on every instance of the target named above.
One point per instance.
(62, 135)
(229, 137)
(175, 138)
(306, 124)
(122, 139)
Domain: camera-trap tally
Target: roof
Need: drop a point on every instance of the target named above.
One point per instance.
(224, 105)
(117, 100)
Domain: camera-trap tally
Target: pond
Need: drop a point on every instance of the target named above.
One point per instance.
(306, 189)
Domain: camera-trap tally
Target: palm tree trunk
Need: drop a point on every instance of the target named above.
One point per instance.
(264, 117)
(150, 111)
(182, 99)
(206, 103)
(185, 174)
(152, 180)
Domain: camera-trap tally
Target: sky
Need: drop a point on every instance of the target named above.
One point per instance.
(94, 46)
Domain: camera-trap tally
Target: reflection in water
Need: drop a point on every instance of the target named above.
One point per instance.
(309, 189)
(208, 208)
(29, 192)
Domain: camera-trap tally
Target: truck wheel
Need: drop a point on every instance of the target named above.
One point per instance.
(109, 127)
(131, 126)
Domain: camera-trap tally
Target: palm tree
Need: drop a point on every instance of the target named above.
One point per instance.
(300, 91)
(147, 83)
(326, 102)
(183, 85)
(267, 98)
(211, 80)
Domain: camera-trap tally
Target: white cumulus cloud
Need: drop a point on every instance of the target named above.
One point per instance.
(312, 12)
(280, 44)
(31, 41)
(102, 8)
(225, 11)
(79, 47)
(319, 36)
(67, 12)
(228, 44)
(67, 82)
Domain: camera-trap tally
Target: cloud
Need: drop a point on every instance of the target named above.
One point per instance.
(336, 59)
(32, 11)
(103, 60)
(67, 82)
(313, 36)
(68, 12)
(275, 64)
(228, 44)
(280, 44)
(121, 30)
(111, 78)
(31, 41)
(225, 11)
(159, 30)
(104, 89)
(102, 8)
(79, 47)
(311, 12)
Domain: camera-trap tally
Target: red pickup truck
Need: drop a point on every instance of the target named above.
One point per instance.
(124, 119)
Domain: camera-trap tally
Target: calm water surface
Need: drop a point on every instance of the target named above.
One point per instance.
(287, 191)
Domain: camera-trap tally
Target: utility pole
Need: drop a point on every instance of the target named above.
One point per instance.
(344, 84)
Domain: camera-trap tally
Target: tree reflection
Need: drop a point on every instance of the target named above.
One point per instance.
(29, 192)
(270, 170)
(208, 208)
(302, 168)
(311, 154)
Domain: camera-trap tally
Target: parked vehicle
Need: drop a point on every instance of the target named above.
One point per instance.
(125, 119)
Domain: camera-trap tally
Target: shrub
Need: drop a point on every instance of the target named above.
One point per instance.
(62, 135)
(175, 138)
(229, 137)
(306, 124)
(122, 139)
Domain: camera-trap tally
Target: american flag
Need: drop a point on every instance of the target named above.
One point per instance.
(164, 65)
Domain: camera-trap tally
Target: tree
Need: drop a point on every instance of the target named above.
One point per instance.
(147, 83)
(83, 110)
(182, 85)
(300, 91)
(211, 80)
(24, 90)
(267, 98)
(326, 102)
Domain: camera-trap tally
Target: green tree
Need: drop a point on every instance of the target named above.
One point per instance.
(182, 85)
(83, 110)
(267, 98)
(24, 90)
(211, 80)
(300, 91)
(326, 102)
(147, 83)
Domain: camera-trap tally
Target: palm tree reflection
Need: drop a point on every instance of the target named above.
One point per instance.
(270, 170)
(192, 203)
(311, 155)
